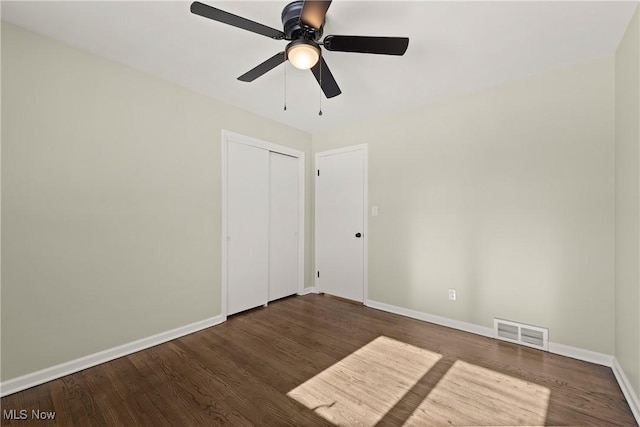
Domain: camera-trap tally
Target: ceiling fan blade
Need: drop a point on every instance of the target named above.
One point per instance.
(263, 68)
(313, 12)
(234, 20)
(363, 44)
(325, 79)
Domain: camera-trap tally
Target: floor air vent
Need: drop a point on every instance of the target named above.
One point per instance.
(519, 333)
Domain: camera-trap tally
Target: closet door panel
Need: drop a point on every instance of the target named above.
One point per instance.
(283, 226)
(247, 227)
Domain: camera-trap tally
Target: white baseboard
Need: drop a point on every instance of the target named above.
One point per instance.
(581, 354)
(560, 349)
(432, 318)
(309, 290)
(39, 377)
(627, 390)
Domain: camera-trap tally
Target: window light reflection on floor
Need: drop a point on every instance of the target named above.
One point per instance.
(472, 395)
(366, 385)
(361, 388)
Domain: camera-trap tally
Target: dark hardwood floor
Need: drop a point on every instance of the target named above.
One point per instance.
(316, 360)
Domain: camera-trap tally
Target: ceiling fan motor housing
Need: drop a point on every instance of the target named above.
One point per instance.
(293, 28)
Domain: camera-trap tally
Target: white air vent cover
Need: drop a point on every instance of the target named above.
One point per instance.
(519, 333)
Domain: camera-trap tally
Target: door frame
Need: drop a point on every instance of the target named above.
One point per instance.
(236, 138)
(365, 212)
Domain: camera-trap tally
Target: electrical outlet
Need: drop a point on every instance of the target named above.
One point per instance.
(374, 211)
(452, 294)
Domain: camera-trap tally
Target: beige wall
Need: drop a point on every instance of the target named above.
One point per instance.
(506, 195)
(111, 199)
(627, 149)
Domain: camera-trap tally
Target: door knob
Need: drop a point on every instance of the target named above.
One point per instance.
(358, 235)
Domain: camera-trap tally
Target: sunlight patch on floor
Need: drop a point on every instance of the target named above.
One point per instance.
(471, 395)
(361, 388)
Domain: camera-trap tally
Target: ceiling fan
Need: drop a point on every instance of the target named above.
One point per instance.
(303, 22)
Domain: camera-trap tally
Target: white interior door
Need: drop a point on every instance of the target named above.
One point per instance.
(340, 222)
(283, 226)
(247, 227)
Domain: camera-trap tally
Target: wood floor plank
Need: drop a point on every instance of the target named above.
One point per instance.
(317, 360)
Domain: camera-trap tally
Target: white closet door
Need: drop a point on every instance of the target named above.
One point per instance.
(283, 226)
(247, 227)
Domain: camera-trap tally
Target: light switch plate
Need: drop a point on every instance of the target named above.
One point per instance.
(374, 211)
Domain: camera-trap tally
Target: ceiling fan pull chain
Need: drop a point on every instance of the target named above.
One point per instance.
(285, 85)
(320, 89)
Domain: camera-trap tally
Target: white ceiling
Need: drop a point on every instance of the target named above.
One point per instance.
(455, 48)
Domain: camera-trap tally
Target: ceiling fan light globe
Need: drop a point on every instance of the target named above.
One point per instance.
(303, 55)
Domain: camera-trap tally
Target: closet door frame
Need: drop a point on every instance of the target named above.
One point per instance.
(235, 138)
